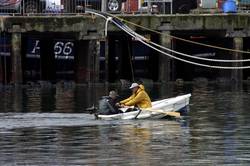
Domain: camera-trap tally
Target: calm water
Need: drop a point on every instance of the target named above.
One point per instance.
(48, 126)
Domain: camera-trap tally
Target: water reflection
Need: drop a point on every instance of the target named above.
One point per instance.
(48, 126)
(106, 144)
(71, 99)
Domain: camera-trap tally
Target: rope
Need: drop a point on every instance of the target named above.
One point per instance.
(178, 38)
(131, 64)
(141, 39)
(180, 59)
(108, 19)
(186, 55)
(106, 26)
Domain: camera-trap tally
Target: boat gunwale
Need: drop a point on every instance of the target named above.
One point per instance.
(123, 115)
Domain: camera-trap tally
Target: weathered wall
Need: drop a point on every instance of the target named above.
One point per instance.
(92, 28)
(86, 25)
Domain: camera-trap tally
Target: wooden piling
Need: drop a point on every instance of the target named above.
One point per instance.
(237, 75)
(16, 57)
(164, 61)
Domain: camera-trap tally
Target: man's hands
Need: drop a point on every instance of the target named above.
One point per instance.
(120, 105)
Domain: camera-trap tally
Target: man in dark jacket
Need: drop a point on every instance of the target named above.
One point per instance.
(107, 104)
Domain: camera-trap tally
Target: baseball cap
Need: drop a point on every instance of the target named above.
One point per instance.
(133, 85)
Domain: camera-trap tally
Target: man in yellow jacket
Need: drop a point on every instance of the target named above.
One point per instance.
(139, 98)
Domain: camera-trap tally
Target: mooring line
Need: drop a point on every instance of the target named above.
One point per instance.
(183, 60)
(178, 38)
(187, 55)
(146, 42)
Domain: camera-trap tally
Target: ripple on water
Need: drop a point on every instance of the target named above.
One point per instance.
(215, 132)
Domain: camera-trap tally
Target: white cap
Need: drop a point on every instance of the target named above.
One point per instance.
(133, 85)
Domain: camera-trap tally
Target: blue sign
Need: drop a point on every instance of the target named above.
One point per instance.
(5, 45)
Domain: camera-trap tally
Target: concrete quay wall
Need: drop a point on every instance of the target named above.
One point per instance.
(88, 28)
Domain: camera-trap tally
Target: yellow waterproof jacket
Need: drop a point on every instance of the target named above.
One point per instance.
(140, 99)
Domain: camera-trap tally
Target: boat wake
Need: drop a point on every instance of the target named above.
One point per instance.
(47, 120)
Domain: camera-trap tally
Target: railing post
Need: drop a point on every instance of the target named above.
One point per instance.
(164, 61)
(104, 6)
(149, 6)
(22, 9)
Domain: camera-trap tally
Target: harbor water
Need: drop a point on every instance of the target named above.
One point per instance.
(48, 125)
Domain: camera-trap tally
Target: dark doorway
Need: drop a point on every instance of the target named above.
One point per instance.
(5, 60)
(187, 71)
(130, 59)
(48, 59)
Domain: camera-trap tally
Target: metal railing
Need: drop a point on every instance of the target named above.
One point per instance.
(62, 7)
(243, 6)
(43, 7)
(27, 7)
(10, 7)
(156, 7)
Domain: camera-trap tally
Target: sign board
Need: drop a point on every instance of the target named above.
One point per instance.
(63, 48)
(54, 5)
(33, 48)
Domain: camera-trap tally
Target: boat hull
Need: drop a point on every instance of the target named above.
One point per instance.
(158, 110)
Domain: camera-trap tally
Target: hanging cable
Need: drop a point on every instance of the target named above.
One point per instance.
(121, 26)
(178, 38)
(108, 19)
(130, 61)
(106, 26)
(183, 54)
(183, 60)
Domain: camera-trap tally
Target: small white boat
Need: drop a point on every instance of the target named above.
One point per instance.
(160, 109)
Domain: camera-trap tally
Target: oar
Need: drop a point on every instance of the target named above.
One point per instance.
(169, 113)
(138, 113)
